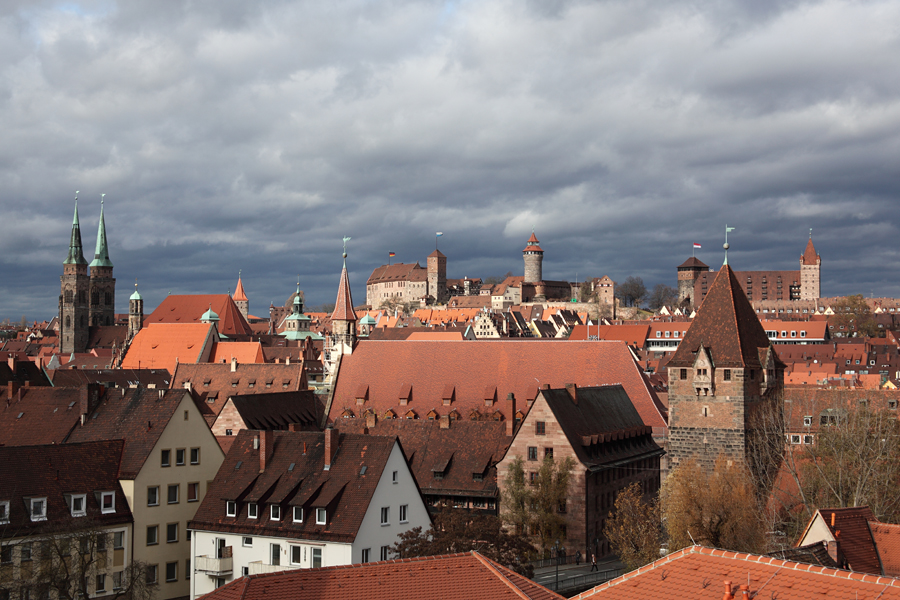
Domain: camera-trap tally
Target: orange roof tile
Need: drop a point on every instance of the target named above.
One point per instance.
(887, 542)
(239, 294)
(164, 345)
(436, 336)
(244, 352)
(698, 573)
(809, 255)
(189, 309)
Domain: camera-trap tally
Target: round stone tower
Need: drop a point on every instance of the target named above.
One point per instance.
(534, 259)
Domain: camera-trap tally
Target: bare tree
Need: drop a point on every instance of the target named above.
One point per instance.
(853, 315)
(662, 295)
(632, 292)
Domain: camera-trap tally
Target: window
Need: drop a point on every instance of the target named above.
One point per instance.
(683, 374)
(179, 457)
(77, 505)
(107, 502)
(320, 516)
(247, 542)
(385, 515)
(795, 439)
(394, 477)
(726, 374)
(118, 540)
(807, 439)
(532, 452)
(173, 494)
(316, 557)
(195, 456)
(193, 492)
(365, 554)
(4, 511)
(274, 512)
(298, 514)
(245, 571)
(275, 554)
(152, 535)
(296, 554)
(230, 508)
(38, 509)
(404, 509)
(385, 552)
(101, 583)
(252, 510)
(540, 428)
(117, 580)
(172, 571)
(807, 421)
(6, 554)
(165, 456)
(153, 495)
(171, 533)
(101, 542)
(25, 551)
(548, 453)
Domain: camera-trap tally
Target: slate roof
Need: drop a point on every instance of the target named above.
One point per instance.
(165, 345)
(727, 325)
(468, 576)
(213, 383)
(600, 414)
(699, 573)
(343, 305)
(137, 415)
(111, 377)
(471, 447)
(280, 409)
(40, 415)
(813, 554)
(23, 371)
(51, 472)
(343, 489)
(188, 308)
(810, 257)
(517, 366)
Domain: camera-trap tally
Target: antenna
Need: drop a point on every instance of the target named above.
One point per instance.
(692, 537)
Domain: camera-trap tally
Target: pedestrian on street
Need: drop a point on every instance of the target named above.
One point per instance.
(577, 557)
(594, 562)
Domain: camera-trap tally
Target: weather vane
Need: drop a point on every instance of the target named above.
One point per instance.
(727, 229)
(346, 239)
(101, 199)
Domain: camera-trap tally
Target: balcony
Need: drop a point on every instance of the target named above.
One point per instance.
(258, 567)
(215, 567)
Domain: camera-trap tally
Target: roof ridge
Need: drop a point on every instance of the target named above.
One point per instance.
(490, 565)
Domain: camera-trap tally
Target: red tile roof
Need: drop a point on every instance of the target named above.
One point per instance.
(244, 352)
(189, 308)
(40, 415)
(693, 262)
(851, 530)
(397, 272)
(343, 306)
(887, 541)
(633, 335)
(698, 573)
(165, 345)
(809, 254)
(517, 366)
(727, 325)
(239, 294)
(468, 576)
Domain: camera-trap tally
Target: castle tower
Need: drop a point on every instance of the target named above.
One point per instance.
(810, 272)
(722, 376)
(688, 272)
(135, 312)
(343, 319)
(240, 298)
(73, 295)
(534, 259)
(437, 277)
(103, 286)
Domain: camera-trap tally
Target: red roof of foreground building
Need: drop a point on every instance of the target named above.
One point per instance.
(468, 576)
(343, 306)
(810, 257)
(633, 335)
(727, 325)
(189, 309)
(698, 573)
(887, 541)
(381, 372)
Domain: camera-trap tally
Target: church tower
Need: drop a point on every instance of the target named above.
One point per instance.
(103, 286)
(135, 313)
(240, 298)
(810, 271)
(723, 374)
(73, 295)
(437, 277)
(343, 319)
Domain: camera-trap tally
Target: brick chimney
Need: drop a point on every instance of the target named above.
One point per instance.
(11, 361)
(729, 595)
(572, 388)
(511, 410)
(370, 419)
(445, 422)
(11, 388)
(331, 445)
(745, 592)
(266, 445)
(233, 364)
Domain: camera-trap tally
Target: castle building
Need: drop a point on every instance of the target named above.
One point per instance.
(724, 372)
(437, 277)
(534, 287)
(695, 279)
(409, 283)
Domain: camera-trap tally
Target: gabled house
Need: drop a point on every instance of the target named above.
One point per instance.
(295, 500)
(855, 539)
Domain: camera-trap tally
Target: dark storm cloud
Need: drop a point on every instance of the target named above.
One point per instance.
(232, 135)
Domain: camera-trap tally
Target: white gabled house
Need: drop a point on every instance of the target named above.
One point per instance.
(291, 500)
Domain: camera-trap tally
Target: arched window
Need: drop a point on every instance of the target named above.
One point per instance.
(68, 320)
(95, 298)
(68, 296)
(108, 298)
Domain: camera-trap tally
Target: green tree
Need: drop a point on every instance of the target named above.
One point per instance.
(633, 529)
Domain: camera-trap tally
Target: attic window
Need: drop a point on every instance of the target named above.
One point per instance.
(238, 465)
(286, 383)
(234, 382)
(291, 467)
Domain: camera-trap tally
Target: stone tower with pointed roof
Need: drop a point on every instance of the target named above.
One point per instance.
(135, 313)
(810, 265)
(343, 319)
(688, 272)
(74, 309)
(722, 375)
(240, 298)
(534, 260)
(437, 277)
(103, 286)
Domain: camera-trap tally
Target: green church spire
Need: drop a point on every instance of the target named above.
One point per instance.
(101, 253)
(76, 254)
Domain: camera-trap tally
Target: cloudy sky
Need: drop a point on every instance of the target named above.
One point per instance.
(232, 135)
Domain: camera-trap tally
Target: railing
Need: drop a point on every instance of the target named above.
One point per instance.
(258, 567)
(215, 567)
(584, 581)
(568, 559)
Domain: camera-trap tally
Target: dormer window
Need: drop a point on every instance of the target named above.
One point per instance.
(320, 516)
(252, 510)
(107, 502)
(230, 508)
(274, 512)
(298, 514)
(78, 504)
(38, 509)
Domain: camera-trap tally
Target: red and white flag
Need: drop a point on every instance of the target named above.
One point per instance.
(696, 245)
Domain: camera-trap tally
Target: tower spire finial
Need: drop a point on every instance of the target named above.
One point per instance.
(725, 245)
(76, 253)
(346, 239)
(101, 252)
(810, 233)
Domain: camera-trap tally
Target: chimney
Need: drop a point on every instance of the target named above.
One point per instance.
(572, 388)
(445, 422)
(233, 364)
(745, 592)
(287, 360)
(266, 445)
(11, 388)
(832, 520)
(11, 360)
(729, 595)
(511, 419)
(331, 445)
(370, 419)
(187, 385)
